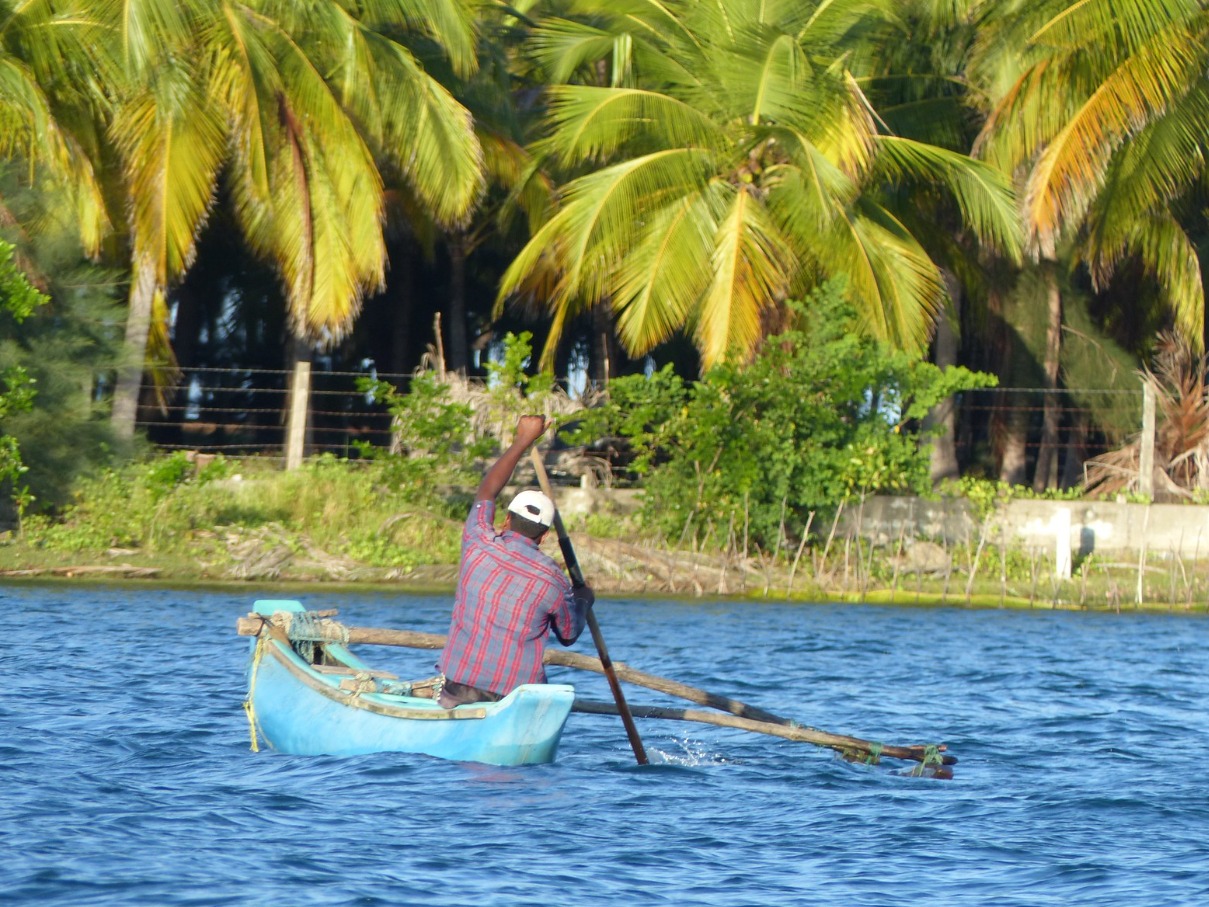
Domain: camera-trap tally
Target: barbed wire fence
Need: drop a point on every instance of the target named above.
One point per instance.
(242, 412)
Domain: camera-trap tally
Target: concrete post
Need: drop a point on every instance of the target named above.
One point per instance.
(1146, 455)
(1062, 555)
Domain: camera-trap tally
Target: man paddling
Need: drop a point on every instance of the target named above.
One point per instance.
(510, 595)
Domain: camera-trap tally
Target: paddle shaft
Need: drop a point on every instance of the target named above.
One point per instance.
(577, 579)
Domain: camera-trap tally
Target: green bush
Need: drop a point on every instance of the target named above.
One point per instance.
(823, 415)
(343, 508)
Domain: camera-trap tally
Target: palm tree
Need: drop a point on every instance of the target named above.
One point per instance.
(292, 102)
(321, 94)
(919, 89)
(737, 161)
(1103, 105)
(47, 110)
(514, 188)
(1109, 114)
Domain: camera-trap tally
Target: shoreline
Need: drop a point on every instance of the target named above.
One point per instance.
(876, 596)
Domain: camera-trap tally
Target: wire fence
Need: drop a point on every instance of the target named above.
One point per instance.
(243, 412)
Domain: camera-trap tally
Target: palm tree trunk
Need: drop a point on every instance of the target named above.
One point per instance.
(457, 350)
(1013, 435)
(604, 347)
(944, 463)
(125, 410)
(1076, 444)
(1008, 423)
(1046, 472)
(400, 296)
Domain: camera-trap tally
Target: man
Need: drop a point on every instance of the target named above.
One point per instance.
(510, 595)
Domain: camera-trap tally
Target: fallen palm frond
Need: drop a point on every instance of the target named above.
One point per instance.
(1181, 435)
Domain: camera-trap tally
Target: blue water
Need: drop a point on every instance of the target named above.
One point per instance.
(126, 775)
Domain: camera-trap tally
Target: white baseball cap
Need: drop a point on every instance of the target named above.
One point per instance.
(533, 506)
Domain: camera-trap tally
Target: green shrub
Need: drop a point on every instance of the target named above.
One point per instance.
(823, 415)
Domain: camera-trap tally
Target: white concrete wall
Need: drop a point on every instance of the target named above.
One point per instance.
(1089, 525)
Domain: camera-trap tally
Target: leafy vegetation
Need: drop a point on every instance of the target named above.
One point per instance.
(685, 170)
(18, 299)
(220, 512)
(823, 415)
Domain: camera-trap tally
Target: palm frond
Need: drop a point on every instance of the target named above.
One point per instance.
(328, 248)
(896, 288)
(172, 142)
(147, 34)
(244, 77)
(1151, 170)
(593, 232)
(1120, 25)
(661, 281)
(830, 24)
(440, 154)
(983, 194)
(601, 210)
(848, 137)
(450, 23)
(592, 123)
(806, 196)
(751, 270)
(1168, 254)
(575, 256)
(1031, 111)
(778, 84)
(563, 47)
(1071, 169)
(29, 128)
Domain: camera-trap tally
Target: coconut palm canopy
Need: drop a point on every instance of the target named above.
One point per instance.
(1105, 104)
(295, 104)
(723, 158)
(294, 101)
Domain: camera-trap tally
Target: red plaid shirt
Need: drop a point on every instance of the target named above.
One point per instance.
(510, 595)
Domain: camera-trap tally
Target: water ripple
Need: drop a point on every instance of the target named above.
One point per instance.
(127, 776)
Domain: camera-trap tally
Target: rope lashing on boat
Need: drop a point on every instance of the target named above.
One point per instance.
(363, 682)
(870, 756)
(305, 628)
(248, 706)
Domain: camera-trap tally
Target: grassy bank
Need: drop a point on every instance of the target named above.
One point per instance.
(384, 524)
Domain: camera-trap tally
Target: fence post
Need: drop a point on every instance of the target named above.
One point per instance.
(299, 404)
(1146, 456)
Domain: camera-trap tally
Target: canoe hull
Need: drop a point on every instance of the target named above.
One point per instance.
(300, 710)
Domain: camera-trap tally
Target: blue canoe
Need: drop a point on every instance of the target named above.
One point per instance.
(343, 708)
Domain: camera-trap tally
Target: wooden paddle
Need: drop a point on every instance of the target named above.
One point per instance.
(577, 580)
(745, 717)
